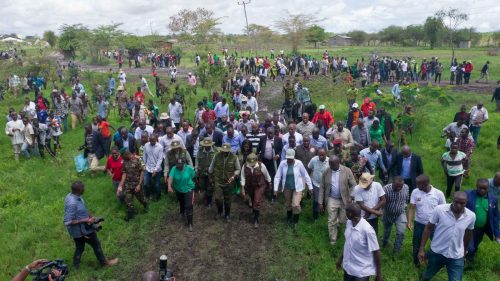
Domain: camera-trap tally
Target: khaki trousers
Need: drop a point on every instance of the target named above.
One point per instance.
(292, 200)
(94, 163)
(336, 216)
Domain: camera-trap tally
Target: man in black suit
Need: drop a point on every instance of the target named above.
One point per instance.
(212, 133)
(270, 150)
(126, 140)
(409, 166)
(389, 155)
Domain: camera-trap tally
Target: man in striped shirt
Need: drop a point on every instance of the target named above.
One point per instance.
(396, 195)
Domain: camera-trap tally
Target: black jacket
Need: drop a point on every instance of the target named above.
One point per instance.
(132, 144)
(390, 168)
(98, 145)
(278, 147)
(216, 137)
(416, 167)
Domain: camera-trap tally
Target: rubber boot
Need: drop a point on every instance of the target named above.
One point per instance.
(130, 215)
(289, 217)
(218, 215)
(256, 214)
(227, 213)
(315, 216)
(209, 201)
(190, 223)
(295, 221)
(146, 207)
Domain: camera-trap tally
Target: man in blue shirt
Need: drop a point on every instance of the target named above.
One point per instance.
(78, 222)
(111, 85)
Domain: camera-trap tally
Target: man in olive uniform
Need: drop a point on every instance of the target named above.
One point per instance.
(342, 154)
(122, 100)
(288, 91)
(254, 180)
(225, 168)
(203, 161)
(175, 153)
(132, 177)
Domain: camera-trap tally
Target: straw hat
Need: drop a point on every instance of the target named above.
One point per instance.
(164, 116)
(365, 180)
(251, 159)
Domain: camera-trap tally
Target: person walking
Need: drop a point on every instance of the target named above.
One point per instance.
(336, 191)
(408, 165)
(369, 195)
(204, 158)
(478, 116)
(317, 165)
(294, 178)
(452, 162)
(225, 169)
(181, 179)
(423, 200)
(14, 129)
(361, 256)
(130, 183)
(254, 180)
(152, 158)
(453, 225)
(397, 194)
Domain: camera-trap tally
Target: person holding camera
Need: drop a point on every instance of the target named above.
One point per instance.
(82, 226)
(34, 266)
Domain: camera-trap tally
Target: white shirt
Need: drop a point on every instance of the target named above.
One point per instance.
(221, 110)
(360, 243)
(300, 174)
(298, 138)
(449, 231)
(426, 203)
(175, 111)
(17, 137)
(30, 109)
(138, 132)
(318, 168)
(165, 141)
(369, 197)
(252, 102)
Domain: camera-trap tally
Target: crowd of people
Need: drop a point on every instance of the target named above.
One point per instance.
(223, 153)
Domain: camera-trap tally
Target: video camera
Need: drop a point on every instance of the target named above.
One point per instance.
(96, 225)
(43, 273)
(165, 273)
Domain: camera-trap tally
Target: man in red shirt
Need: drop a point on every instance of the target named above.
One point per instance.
(139, 96)
(468, 71)
(367, 106)
(323, 115)
(104, 126)
(114, 166)
(208, 115)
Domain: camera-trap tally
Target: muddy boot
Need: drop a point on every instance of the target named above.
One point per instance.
(227, 213)
(256, 214)
(209, 201)
(130, 215)
(146, 207)
(295, 221)
(315, 216)
(190, 223)
(289, 217)
(218, 215)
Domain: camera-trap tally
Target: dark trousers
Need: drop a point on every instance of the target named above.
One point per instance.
(477, 237)
(409, 183)
(93, 241)
(152, 185)
(272, 172)
(437, 78)
(348, 277)
(454, 267)
(418, 230)
(453, 180)
(374, 224)
(186, 204)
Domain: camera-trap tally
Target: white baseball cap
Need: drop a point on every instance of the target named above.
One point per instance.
(355, 105)
(290, 154)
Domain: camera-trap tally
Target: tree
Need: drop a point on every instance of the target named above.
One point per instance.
(496, 37)
(295, 27)
(71, 38)
(101, 39)
(433, 27)
(392, 34)
(50, 37)
(358, 36)
(261, 34)
(453, 19)
(132, 43)
(194, 24)
(415, 33)
(315, 34)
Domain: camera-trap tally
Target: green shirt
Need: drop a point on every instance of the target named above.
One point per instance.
(290, 180)
(376, 134)
(481, 211)
(182, 180)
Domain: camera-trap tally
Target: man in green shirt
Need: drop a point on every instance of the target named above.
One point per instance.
(181, 180)
(485, 206)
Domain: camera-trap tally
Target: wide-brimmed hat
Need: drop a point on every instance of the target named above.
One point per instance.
(164, 116)
(290, 154)
(175, 144)
(365, 180)
(226, 147)
(252, 159)
(120, 88)
(244, 99)
(207, 142)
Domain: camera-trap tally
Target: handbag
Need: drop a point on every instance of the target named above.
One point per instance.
(81, 163)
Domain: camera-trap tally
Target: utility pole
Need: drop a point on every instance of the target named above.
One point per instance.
(245, 3)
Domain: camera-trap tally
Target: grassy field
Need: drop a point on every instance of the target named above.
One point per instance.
(32, 194)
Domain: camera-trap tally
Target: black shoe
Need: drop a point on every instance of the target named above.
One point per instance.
(217, 216)
(146, 208)
(228, 219)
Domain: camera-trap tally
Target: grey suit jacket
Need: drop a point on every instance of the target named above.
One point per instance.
(347, 184)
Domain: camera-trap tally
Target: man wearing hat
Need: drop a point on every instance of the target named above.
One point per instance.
(254, 180)
(175, 152)
(324, 116)
(353, 116)
(342, 154)
(292, 174)
(122, 101)
(203, 161)
(225, 168)
(370, 197)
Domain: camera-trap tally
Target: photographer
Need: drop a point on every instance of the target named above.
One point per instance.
(81, 226)
(35, 265)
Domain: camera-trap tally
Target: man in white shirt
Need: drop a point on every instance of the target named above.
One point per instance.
(184, 132)
(168, 138)
(145, 86)
(369, 195)
(29, 108)
(317, 166)
(292, 131)
(423, 200)
(221, 109)
(142, 127)
(29, 138)
(452, 225)
(14, 129)
(478, 115)
(256, 86)
(175, 111)
(252, 102)
(361, 256)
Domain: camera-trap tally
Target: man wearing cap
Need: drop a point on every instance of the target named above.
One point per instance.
(225, 169)
(294, 177)
(324, 116)
(175, 152)
(336, 190)
(254, 180)
(370, 197)
(343, 134)
(203, 161)
(353, 116)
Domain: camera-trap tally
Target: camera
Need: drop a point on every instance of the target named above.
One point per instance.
(165, 273)
(96, 225)
(43, 273)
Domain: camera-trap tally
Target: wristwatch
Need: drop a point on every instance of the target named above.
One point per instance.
(28, 268)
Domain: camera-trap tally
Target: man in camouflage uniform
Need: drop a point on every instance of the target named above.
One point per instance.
(342, 154)
(175, 153)
(203, 161)
(133, 175)
(225, 168)
(122, 101)
(288, 91)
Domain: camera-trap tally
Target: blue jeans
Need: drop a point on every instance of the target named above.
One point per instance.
(418, 230)
(454, 267)
(26, 150)
(400, 224)
(477, 237)
(315, 200)
(474, 130)
(152, 185)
